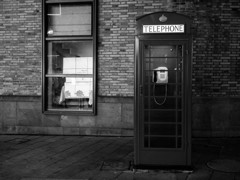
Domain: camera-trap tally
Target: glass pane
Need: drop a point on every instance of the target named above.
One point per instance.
(162, 116)
(179, 129)
(163, 142)
(146, 141)
(154, 76)
(153, 63)
(180, 64)
(70, 75)
(179, 116)
(150, 77)
(179, 142)
(179, 78)
(161, 51)
(146, 116)
(180, 51)
(70, 57)
(69, 19)
(160, 90)
(147, 76)
(163, 129)
(179, 103)
(179, 91)
(160, 103)
(70, 93)
(146, 129)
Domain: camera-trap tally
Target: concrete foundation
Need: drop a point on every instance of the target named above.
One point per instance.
(23, 115)
(216, 117)
(211, 117)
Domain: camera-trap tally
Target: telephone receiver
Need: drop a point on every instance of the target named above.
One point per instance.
(160, 75)
(160, 78)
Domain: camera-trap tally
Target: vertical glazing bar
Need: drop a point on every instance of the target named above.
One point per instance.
(149, 94)
(176, 111)
(142, 74)
(183, 122)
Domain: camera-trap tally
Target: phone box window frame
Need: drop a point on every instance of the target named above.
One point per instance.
(69, 57)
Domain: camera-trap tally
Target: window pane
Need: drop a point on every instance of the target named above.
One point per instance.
(70, 75)
(163, 142)
(161, 51)
(70, 57)
(69, 60)
(163, 129)
(168, 103)
(146, 141)
(179, 142)
(163, 116)
(69, 19)
(70, 93)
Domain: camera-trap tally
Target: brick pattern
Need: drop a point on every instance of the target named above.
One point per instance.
(20, 47)
(117, 22)
(215, 44)
(216, 55)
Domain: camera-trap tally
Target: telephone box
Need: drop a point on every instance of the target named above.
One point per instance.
(163, 91)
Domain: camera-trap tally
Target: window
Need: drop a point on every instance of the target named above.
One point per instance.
(69, 56)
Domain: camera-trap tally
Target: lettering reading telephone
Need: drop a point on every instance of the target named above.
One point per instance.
(160, 78)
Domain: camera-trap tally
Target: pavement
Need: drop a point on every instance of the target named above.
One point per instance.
(34, 157)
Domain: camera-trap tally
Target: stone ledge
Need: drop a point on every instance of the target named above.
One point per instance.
(20, 98)
(95, 131)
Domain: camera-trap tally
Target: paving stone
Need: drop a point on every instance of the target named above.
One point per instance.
(24, 157)
(222, 176)
(200, 174)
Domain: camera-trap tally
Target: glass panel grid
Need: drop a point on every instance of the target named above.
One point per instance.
(69, 61)
(162, 135)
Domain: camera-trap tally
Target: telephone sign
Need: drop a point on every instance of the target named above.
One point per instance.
(174, 28)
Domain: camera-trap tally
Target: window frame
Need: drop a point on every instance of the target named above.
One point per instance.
(46, 39)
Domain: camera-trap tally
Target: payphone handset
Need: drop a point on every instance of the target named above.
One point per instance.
(160, 75)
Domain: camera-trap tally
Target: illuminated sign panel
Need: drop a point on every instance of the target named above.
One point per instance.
(170, 28)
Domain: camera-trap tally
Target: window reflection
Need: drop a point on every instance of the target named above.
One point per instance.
(69, 61)
(69, 19)
(168, 56)
(70, 93)
(70, 75)
(74, 57)
(75, 88)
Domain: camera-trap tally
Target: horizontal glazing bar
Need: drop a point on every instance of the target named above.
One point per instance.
(174, 122)
(169, 70)
(68, 1)
(69, 38)
(69, 75)
(172, 136)
(156, 57)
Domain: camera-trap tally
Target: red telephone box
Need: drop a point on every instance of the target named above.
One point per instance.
(163, 90)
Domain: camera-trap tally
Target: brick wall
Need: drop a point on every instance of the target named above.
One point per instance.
(216, 55)
(20, 47)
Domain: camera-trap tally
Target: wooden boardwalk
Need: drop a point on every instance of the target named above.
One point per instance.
(25, 157)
